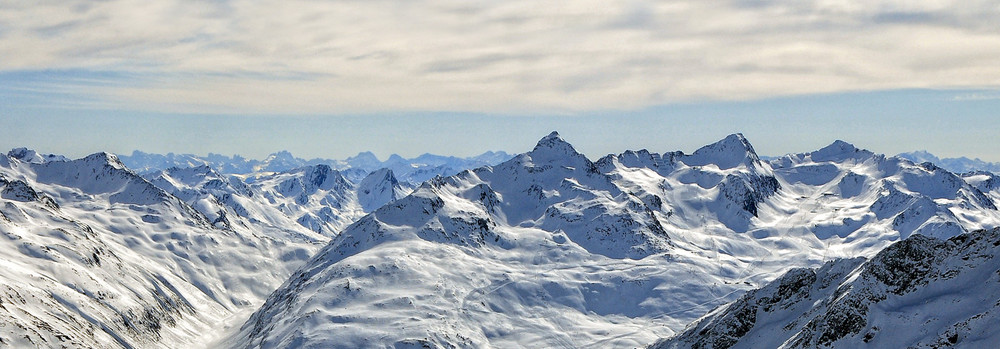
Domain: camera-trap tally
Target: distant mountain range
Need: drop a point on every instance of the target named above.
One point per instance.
(355, 168)
(957, 165)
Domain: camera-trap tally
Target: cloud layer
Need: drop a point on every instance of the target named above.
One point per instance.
(306, 56)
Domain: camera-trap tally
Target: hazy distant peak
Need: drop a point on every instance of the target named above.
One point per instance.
(283, 154)
(957, 165)
(838, 150)
(394, 158)
(365, 155)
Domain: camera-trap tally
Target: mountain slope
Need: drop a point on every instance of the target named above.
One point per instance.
(918, 293)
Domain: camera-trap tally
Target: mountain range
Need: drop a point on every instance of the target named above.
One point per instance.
(413, 170)
(956, 165)
(545, 249)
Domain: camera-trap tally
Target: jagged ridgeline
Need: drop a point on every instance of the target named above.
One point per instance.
(545, 249)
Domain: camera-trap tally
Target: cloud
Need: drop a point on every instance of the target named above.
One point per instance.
(976, 96)
(310, 56)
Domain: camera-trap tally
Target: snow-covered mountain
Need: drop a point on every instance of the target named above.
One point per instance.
(545, 249)
(415, 170)
(513, 255)
(550, 249)
(956, 165)
(95, 256)
(918, 293)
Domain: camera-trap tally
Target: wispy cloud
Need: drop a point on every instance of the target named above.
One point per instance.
(306, 56)
(977, 96)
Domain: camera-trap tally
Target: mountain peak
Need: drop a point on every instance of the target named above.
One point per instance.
(381, 175)
(552, 135)
(365, 160)
(920, 156)
(395, 158)
(365, 155)
(552, 148)
(553, 142)
(28, 155)
(284, 155)
(837, 151)
(378, 188)
(105, 158)
(726, 153)
(324, 177)
(23, 154)
(737, 140)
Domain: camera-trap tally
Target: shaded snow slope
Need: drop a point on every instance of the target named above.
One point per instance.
(918, 293)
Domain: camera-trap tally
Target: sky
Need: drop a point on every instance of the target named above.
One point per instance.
(333, 78)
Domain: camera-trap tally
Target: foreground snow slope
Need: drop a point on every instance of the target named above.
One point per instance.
(95, 256)
(550, 249)
(918, 293)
